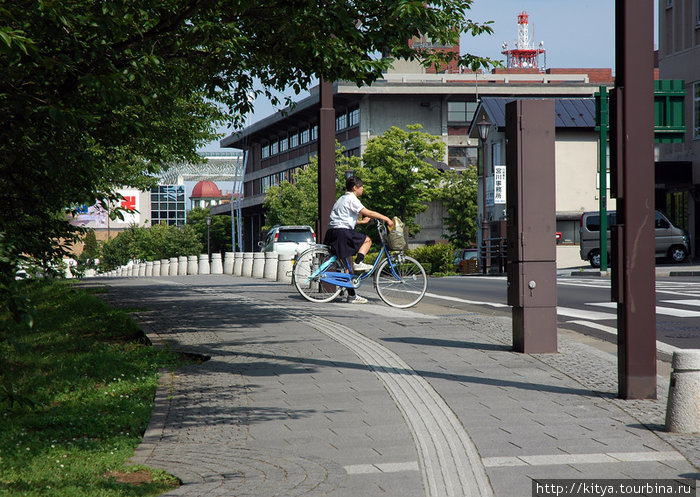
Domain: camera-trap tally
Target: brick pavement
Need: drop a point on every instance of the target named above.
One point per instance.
(336, 399)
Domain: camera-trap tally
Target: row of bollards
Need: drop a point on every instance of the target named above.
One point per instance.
(267, 265)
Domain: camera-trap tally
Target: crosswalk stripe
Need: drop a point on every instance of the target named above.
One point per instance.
(691, 302)
(666, 311)
(661, 346)
(584, 314)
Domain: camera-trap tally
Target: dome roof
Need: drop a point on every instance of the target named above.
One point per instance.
(206, 189)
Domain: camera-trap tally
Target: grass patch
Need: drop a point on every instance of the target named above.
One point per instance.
(76, 395)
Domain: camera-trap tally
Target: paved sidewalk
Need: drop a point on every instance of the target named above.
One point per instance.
(347, 400)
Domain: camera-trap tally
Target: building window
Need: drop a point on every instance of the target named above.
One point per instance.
(669, 4)
(304, 135)
(696, 110)
(168, 205)
(294, 140)
(274, 147)
(314, 132)
(283, 144)
(461, 112)
(461, 157)
(341, 122)
(265, 183)
(265, 151)
(354, 117)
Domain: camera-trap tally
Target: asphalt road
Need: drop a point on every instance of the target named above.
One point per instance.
(583, 304)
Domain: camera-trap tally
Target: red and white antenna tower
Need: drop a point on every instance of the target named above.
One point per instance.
(524, 54)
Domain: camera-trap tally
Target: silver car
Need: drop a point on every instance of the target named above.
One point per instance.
(288, 240)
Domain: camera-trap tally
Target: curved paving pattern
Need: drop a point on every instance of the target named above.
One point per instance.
(449, 460)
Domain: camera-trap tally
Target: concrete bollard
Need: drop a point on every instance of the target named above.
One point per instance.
(149, 268)
(173, 266)
(237, 263)
(204, 267)
(182, 265)
(258, 264)
(192, 266)
(156, 268)
(284, 268)
(216, 266)
(142, 269)
(271, 260)
(130, 270)
(164, 267)
(228, 263)
(683, 409)
(247, 269)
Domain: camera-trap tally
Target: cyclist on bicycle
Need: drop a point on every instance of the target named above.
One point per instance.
(341, 234)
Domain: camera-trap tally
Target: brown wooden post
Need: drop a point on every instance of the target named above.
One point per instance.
(632, 184)
(531, 208)
(326, 158)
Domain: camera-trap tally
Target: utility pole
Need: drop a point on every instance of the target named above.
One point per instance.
(632, 184)
(326, 158)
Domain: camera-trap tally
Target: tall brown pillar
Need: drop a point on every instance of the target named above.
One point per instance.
(326, 158)
(632, 184)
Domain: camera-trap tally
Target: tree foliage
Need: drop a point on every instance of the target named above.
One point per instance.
(458, 195)
(160, 241)
(100, 95)
(219, 230)
(296, 202)
(401, 176)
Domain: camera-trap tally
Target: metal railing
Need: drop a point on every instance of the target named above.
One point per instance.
(496, 248)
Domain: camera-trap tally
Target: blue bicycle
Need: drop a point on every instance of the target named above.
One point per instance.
(399, 280)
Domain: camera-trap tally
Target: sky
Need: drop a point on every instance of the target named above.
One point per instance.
(576, 33)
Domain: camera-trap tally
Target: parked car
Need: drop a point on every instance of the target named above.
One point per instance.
(671, 242)
(289, 240)
(466, 260)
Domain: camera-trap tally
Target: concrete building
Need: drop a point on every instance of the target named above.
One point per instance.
(444, 104)
(678, 166)
(576, 166)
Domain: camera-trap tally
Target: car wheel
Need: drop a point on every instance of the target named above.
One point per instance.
(678, 253)
(594, 258)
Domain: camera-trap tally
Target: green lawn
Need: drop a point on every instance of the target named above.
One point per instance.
(76, 395)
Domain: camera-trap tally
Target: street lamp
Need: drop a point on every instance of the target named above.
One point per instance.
(484, 127)
(208, 220)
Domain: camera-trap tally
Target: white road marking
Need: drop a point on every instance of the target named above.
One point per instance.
(596, 458)
(464, 301)
(584, 314)
(660, 346)
(363, 469)
(666, 311)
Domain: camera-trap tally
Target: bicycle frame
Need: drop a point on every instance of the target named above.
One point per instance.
(350, 280)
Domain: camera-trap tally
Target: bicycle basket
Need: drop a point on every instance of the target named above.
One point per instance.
(397, 239)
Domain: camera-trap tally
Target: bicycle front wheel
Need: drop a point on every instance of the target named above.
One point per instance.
(405, 285)
(307, 271)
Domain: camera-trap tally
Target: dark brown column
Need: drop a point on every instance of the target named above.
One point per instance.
(632, 164)
(531, 208)
(326, 158)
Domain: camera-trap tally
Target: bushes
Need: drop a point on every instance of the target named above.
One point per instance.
(434, 258)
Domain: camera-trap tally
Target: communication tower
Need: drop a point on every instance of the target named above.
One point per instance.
(524, 55)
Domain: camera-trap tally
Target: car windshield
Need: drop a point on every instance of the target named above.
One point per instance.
(296, 236)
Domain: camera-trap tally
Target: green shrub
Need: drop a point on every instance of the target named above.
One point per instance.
(434, 258)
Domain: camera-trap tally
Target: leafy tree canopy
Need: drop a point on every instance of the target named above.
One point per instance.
(99, 95)
(458, 193)
(219, 229)
(296, 202)
(402, 176)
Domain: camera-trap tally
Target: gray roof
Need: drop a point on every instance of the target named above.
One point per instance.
(570, 112)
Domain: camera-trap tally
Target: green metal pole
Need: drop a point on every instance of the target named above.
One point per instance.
(603, 191)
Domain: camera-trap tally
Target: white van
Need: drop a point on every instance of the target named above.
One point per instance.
(671, 242)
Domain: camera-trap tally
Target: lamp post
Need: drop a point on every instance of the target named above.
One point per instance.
(208, 220)
(484, 127)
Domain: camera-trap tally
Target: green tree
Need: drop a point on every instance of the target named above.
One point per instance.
(99, 95)
(458, 194)
(91, 250)
(296, 202)
(401, 177)
(160, 241)
(219, 230)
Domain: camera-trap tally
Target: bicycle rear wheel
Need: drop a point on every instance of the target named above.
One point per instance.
(405, 288)
(308, 284)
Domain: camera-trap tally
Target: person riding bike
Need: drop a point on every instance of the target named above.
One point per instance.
(341, 234)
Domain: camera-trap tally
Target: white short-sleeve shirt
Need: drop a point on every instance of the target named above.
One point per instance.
(345, 211)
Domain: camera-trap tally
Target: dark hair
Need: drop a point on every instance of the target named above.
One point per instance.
(351, 182)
